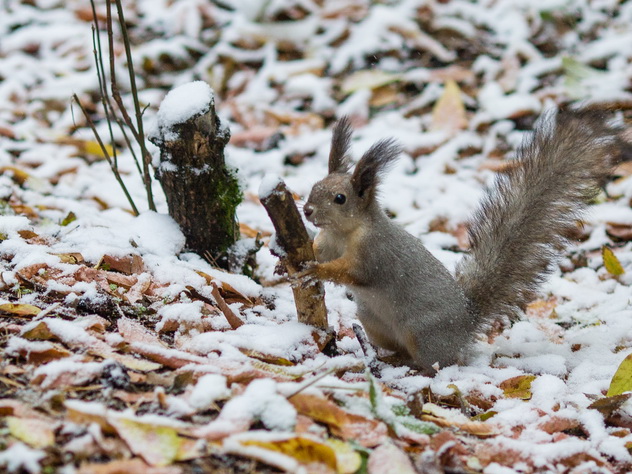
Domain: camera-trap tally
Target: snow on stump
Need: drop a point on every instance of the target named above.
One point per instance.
(201, 192)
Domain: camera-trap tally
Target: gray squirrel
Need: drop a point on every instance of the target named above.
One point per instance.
(407, 300)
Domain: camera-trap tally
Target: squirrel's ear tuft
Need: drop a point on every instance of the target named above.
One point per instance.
(373, 164)
(338, 159)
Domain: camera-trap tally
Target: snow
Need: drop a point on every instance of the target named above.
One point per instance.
(287, 76)
(208, 389)
(184, 102)
(20, 457)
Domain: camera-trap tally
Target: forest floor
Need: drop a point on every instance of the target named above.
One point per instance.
(117, 350)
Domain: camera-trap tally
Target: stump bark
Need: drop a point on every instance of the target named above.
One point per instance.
(202, 193)
(294, 249)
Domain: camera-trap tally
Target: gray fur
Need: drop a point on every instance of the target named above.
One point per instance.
(407, 301)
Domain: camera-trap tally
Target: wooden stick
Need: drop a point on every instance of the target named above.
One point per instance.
(294, 249)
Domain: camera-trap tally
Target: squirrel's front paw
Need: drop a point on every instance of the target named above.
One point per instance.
(307, 274)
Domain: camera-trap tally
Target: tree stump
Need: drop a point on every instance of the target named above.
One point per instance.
(201, 192)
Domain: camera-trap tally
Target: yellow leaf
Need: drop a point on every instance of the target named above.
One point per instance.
(518, 387)
(18, 175)
(36, 433)
(70, 218)
(367, 79)
(348, 459)
(304, 450)
(93, 148)
(611, 262)
(448, 114)
(19, 309)
(157, 445)
(622, 379)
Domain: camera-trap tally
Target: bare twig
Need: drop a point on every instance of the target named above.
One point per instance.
(139, 115)
(230, 316)
(106, 154)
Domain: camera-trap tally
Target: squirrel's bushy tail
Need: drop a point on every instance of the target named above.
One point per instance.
(524, 220)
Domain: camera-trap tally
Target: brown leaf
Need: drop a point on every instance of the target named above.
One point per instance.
(448, 114)
(129, 265)
(142, 342)
(348, 426)
(557, 424)
(126, 466)
(40, 352)
(541, 308)
(389, 458)
(619, 231)
(453, 418)
(63, 374)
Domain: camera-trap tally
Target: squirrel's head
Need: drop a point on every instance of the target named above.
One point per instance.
(343, 198)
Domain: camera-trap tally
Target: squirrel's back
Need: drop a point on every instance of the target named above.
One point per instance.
(526, 218)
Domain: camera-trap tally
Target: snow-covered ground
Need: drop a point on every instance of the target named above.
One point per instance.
(459, 84)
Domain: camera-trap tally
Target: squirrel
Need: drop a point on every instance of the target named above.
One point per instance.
(408, 302)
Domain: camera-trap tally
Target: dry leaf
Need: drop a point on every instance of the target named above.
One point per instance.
(126, 466)
(129, 265)
(388, 458)
(367, 79)
(305, 450)
(19, 309)
(518, 387)
(35, 432)
(453, 418)
(348, 426)
(611, 262)
(157, 445)
(448, 114)
(622, 379)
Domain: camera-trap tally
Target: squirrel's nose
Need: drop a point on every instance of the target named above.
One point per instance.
(308, 210)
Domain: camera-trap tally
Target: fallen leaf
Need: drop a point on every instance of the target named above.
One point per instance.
(304, 450)
(35, 432)
(126, 466)
(611, 262)
(69, 219)
(73, 258)
(608, 405)
(37, 352)
(518, 387)
(18, 175)
(388, 458)
(129, 265)
(20, 310)
(448, 114)
(157, 445)
(367, 79)
(348, 426)
(622, 379)
(453, 418)
(348, 460)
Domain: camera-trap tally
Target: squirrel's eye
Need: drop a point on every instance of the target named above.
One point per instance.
(340, 199)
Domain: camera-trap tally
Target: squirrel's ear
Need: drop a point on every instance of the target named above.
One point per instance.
(338, 159)
(372, 165)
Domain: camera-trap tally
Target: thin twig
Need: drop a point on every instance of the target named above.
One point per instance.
(115, 91)
(106, 154)
(139, 116)
(311, 382)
